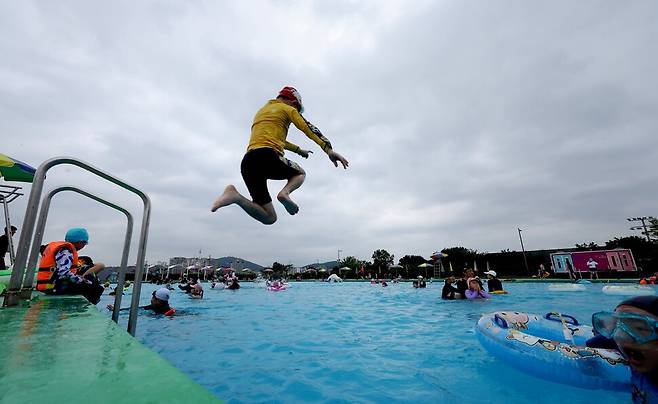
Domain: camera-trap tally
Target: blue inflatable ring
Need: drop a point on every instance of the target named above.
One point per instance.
(538, 346)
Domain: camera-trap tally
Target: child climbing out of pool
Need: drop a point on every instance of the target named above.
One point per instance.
(265, 158)
(633, 327)
(475, 290)
(159, 303)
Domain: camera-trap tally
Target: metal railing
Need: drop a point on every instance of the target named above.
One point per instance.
(38, 238)
(13, 292)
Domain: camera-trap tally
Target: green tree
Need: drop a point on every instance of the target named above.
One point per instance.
(460, 257)
(382, 259)
(588, 246)
(350, 262)
(410, 264)
(276, 267)
(411, 261)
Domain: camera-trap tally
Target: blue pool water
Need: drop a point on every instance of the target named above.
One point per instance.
(356, 342)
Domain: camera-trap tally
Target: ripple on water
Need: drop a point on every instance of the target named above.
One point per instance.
(355, 343)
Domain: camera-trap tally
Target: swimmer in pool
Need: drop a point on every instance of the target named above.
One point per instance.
(475, 290)
(159, 303)
(634, 328)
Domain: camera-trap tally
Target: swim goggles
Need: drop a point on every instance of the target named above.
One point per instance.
(624, 326)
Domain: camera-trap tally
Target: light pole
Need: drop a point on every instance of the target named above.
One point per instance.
(642, 219)
(525, 260)
(339, 251)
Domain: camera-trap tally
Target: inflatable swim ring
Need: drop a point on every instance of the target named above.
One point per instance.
(499, 292)
(566, 287)
(552, 347)
(628, 290)
(279, 289)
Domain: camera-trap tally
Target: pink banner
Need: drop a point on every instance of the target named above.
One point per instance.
(582, 263)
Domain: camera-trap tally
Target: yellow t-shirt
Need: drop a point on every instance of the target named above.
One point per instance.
(270, 128)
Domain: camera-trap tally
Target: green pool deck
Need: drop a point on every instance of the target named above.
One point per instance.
(61, 349)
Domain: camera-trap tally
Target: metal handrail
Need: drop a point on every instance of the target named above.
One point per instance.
(12, 294)
(38, 238)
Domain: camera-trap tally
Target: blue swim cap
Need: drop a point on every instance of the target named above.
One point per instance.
(76, 234)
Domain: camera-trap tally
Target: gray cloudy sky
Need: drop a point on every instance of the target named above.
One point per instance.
(461, 119)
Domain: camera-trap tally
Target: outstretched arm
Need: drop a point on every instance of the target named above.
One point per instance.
(335, 158)
(314, 134)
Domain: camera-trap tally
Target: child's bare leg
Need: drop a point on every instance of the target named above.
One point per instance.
(284, 195)
(264, 214)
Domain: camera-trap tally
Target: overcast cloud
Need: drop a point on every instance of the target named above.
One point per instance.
(461, 120)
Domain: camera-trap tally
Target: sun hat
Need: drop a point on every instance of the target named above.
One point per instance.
(492, 273)
(76, 235)
(162, 294)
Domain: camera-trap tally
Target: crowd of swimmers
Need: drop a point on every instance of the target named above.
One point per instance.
(470, 286)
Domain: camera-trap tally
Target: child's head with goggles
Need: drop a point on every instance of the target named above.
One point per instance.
(634, 327)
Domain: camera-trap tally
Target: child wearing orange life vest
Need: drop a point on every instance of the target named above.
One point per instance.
(59, 264)
(265, 158)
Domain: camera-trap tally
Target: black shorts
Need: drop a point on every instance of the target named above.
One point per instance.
(264, 164)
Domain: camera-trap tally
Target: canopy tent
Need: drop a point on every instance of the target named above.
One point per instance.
(268, 270)
(437, 255)
(425, 265)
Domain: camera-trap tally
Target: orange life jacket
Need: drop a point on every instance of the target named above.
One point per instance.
(48, 265)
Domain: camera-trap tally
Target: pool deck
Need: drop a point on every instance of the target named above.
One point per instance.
(61, 349)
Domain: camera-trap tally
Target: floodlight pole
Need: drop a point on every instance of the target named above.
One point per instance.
(525, 260)
(642, 219)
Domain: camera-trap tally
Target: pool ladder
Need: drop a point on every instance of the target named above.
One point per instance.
(22, 277)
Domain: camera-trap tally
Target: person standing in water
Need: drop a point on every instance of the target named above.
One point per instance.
(265, 158)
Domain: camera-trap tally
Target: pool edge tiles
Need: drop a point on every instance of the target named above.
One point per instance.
(62, 349)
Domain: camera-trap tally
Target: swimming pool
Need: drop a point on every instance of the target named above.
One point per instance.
(356, 342)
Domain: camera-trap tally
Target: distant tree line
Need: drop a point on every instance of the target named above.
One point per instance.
(505, 262)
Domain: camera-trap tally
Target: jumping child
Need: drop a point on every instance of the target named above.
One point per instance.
(265, 158)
